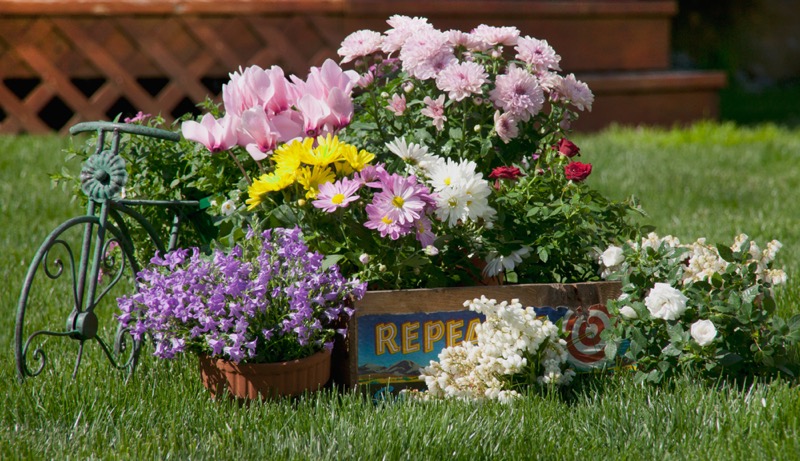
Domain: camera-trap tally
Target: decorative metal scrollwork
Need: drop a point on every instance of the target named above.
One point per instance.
(105, 255)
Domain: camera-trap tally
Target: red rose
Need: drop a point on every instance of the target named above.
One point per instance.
(577, 171)
(568, 148)
(506, 172)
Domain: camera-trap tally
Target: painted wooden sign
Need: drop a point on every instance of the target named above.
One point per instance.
(395, 333)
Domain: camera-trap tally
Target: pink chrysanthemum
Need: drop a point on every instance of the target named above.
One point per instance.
(402, 199)
(434, 108)
(505, 126)
(360, 43)
(538, 53)
(403, 27)
(381, 222)
(397, 105)
(335, 195)
(365, 79)
(460, 80)
(518, 93)
(425, 235)
(576, 92)
(426, 53)
(493, 36)
(464, 39)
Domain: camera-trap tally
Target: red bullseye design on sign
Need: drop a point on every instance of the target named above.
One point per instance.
(583, 341)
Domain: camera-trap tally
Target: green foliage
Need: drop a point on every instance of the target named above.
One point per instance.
(165, 170)
(731, 287)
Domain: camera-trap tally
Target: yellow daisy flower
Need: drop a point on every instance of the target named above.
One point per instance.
(355, 158)
(262, 186)
(311, 178)
(328, 150)
(288, 156)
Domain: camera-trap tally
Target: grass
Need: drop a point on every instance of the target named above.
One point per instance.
(708, 180)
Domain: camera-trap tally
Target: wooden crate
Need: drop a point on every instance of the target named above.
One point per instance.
(393, 333)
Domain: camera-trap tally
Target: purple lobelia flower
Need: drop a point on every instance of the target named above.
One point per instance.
(268, 300)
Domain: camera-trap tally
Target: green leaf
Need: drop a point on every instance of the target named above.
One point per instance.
(542, 254)
(610, 350)
(671, 350)
(725, 253)
(331, 260)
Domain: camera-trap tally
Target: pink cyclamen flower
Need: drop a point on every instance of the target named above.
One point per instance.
(257, 87)
(505, 126)
(538, 53)
(460, 80)
(493, 36)
(216, 135)
(434, 108)
(260, 133)
(397, 105)
(339, 194)
(359, 44)
(576, 92)
(518, 93)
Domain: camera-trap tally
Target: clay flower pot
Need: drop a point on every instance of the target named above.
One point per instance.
(265, 380)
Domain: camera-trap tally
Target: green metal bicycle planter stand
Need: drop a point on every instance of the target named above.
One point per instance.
(103, 228)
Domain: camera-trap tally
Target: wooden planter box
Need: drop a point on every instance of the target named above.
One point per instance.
(394, 333)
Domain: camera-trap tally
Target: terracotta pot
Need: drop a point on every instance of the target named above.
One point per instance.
(265, 380)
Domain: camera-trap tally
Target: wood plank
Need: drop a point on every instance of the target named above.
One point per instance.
(18, 115)
(348, 7)
(163, 57)
(519, 9)
(51, 75)
(662, 81)
(227, 55)
(166, 7)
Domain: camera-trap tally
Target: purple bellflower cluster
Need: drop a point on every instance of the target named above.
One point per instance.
(268, 300)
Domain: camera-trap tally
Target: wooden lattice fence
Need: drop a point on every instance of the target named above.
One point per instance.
(62, 61)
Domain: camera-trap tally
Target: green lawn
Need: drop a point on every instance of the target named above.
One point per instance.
(710, 180)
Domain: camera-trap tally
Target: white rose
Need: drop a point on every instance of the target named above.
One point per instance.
(628, 312)
(228, 207)
(665, 302)
(612, 256)
(703, 331)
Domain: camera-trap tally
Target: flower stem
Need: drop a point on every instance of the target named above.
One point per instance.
(241, 168)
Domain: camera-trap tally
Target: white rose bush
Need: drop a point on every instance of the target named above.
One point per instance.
(707, 311)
